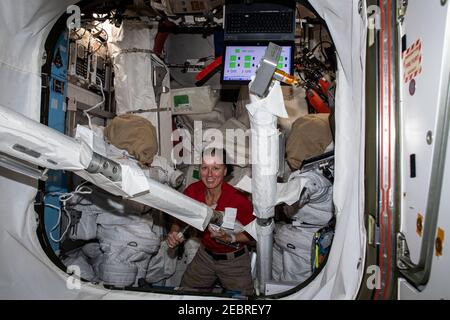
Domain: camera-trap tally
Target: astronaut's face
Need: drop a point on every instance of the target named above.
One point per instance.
(212, 171)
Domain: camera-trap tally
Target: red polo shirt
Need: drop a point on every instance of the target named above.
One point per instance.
(229, 198)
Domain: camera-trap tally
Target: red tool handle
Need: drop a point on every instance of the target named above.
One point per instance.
(209, 68)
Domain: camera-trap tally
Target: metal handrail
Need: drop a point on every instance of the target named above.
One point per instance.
(419, 274)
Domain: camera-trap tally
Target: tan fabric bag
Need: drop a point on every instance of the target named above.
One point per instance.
(135, 134)
(309, 137)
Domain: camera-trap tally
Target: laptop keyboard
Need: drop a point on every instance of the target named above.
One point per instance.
(260, 22)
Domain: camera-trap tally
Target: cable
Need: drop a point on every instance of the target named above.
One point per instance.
(86, 112)
(96, 37)
(58, 223)
(321, 44)
(63, 197)
(298, 12)
(78, 36)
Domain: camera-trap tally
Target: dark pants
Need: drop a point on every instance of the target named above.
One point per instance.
(234, 274)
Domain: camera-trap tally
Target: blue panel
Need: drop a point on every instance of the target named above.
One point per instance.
(56, 120)
(60, 57)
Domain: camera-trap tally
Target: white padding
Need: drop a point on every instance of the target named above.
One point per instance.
(131, 46)
(40, 144)
(342, 275)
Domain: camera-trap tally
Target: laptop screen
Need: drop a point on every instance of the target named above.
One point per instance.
(241, 61)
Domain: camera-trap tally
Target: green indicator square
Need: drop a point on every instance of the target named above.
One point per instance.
(196, 174)
(232, 65)
(280, 59)
(280, 66)
(247, 65)
(232, 58)
(248, 58)
(181, 101)
(238, 50)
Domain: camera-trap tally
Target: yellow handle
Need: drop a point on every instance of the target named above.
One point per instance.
(317, 252)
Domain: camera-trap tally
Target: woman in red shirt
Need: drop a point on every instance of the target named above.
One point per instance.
(216, 259)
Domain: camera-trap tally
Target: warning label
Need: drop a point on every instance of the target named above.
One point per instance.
(412, 61)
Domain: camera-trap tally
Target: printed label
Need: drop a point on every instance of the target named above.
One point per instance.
(412, 61)
(181, 101)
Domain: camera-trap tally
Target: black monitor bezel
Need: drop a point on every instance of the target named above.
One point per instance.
(253, 43)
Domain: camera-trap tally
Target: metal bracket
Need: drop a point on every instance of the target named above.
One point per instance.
(109, 168)
(373, 231)
(264, 222)
(45, 80)
(374, 18)
(377, 234)
(39, 199)
(360, 7)
(403, 257)
(24, 168)
(373, 23)
(264, 74)
(402, 6)
(75, 217)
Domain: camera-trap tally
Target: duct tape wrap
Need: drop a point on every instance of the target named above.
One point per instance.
(263, 114)
(265, 149)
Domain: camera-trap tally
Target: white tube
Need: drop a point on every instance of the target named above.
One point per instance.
(178, 205)
(29, 140)
(46, 147)
(161, 197)
(265, 253)
(265, 156)
(264, 163)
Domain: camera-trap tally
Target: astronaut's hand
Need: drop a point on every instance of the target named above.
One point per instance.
(219, 234)
(174, 239)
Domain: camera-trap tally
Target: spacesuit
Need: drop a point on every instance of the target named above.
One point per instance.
(294, 242)
(129, 240)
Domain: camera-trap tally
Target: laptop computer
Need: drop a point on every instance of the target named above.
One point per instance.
(259, 20)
